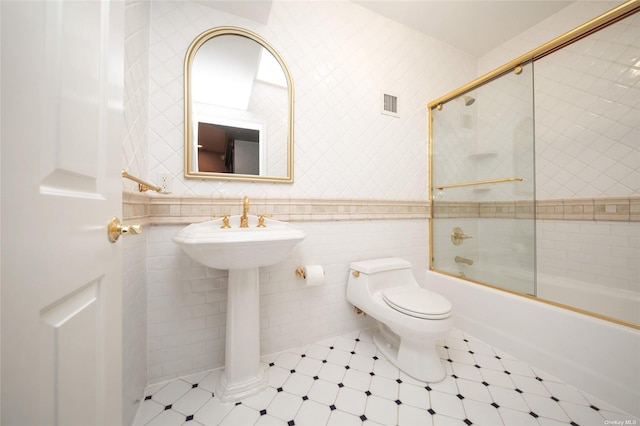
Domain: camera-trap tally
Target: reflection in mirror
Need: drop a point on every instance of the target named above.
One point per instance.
(238, 109)
(226, 149)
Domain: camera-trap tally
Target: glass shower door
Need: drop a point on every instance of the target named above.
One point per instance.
(482, 184)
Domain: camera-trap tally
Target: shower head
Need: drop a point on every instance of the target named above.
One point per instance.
(469, 100)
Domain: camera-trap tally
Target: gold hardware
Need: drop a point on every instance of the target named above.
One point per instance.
(622, 11)
(244, 221)
(261, 223)
(439, 107)
(355, 273)
(300, 273)
(458, 236)
(115, 229)
(480, 182)
(359, 311)
(287, 117)
(142, 185)
(517, 70)
(225, 221)
(459, 259)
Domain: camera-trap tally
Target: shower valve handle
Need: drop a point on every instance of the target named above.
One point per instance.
(458, 236)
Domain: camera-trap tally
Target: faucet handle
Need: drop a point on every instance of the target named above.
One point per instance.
(225, 221)
(261, 223)
(458, 236)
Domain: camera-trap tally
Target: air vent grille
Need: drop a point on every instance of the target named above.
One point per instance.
(389, 104)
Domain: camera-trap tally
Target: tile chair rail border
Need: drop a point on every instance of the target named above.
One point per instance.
(167, 209)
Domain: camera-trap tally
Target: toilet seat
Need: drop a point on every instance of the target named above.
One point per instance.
(417, 302)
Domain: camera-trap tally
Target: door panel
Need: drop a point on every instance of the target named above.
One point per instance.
(70, 349)
(74, 107)
(62, 127)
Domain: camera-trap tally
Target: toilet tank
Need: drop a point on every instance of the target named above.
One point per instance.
(378, 274)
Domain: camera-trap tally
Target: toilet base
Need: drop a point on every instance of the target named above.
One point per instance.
(417, 358)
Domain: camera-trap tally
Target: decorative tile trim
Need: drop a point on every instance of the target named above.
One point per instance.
(612, 209)
(159, 209)
(453, 209)
(634, 209)
(625, 209)
(135, 207)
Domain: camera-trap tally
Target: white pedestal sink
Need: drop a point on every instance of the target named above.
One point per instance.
(242, 251)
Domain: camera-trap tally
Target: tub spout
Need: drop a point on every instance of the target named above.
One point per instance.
(459, 259)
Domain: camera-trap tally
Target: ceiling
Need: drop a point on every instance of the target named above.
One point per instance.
(474, 26)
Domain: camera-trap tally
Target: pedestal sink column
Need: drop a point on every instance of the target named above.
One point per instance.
(241, 251)
(244, 375)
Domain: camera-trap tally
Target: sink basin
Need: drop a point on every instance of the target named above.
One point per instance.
(242, 251)
(239, 248)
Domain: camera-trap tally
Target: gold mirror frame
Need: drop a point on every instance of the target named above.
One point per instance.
(606, 19)
(188, 132)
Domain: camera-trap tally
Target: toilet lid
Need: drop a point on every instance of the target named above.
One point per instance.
(417, 302)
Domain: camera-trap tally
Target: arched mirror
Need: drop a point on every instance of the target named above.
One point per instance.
(238, 106)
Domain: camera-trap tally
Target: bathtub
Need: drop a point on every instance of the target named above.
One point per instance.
(611, 302)
(596, 356)
(607, 301)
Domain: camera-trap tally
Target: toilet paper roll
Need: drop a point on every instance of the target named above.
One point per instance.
(314, 275)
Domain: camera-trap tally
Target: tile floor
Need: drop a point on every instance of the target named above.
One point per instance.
(346, 381)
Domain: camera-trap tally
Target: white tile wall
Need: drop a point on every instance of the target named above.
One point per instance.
(341, 57)
(136, 87)
(134, 151)
(134, 335)
(588, 116)
(598, 252)
(489, 139)
(503, 251)
(586, 140)
(187, 301)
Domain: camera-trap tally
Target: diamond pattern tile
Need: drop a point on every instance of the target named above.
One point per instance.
(483, 386)
(588, 141)
(344, 147)
(136, 87)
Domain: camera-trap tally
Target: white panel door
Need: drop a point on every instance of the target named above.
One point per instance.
(62, 129)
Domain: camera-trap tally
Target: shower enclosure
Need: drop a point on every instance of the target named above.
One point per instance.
(482, 173)
(535, 172)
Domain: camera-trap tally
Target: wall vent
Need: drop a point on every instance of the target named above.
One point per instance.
(390, 105)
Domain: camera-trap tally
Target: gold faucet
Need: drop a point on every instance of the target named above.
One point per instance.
(244, 221)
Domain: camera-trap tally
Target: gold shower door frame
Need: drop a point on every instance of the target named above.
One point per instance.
(608, 18)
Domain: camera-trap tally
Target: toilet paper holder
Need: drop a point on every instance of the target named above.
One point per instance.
(313, 275)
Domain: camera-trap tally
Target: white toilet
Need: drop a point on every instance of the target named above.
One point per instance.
(410, 318)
